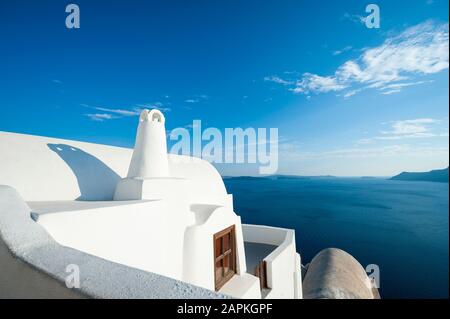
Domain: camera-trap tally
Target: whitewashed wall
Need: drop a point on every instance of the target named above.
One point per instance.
(199, 246)
(283, 271)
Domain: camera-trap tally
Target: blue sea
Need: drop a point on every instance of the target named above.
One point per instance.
(401, 226)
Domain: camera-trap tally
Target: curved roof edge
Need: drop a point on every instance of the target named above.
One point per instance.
(335, 274)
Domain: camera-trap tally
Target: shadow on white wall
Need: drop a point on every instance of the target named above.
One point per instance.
(96, 180)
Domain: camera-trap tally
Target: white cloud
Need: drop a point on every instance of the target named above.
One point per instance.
(361, 160)
(278, 80)
(411, 126)
(157, 105)
(354, 18)
(368, 152)
(316, 83)
(100, 117)
(391, 92)
(197, 98)
(120, 112)
(398, 86)
(407, 129)
(422, 49)
(387, 151)
(417, 51)
(115, 113)
(349, 94)
(338, 52)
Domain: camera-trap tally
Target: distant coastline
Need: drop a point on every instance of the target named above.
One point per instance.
(438, 175)
(296, 177)
(277, 177)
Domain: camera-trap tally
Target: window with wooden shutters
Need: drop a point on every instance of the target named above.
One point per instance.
(224, 256)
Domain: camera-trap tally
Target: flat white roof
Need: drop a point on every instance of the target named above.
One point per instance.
(48, 207)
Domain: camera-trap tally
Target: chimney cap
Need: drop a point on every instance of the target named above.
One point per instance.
(153, 115)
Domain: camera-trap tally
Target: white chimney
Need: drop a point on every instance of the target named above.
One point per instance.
(150, 150)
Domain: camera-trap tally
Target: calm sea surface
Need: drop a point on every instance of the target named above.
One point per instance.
(400, 226)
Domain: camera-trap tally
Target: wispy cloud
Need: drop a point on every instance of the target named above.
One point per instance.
(407, 129)
(277, 80)
(197, 98)
(120, 112)
(157, 105)
(115, 113)
(356, 18)
(345, 49)
(351, 93)
(57, 81)
(375, 152)
(401, 85)
(100, 117)
(391, 92)
(317, 84)
(417, 51)
(410, 126)
(385, 151)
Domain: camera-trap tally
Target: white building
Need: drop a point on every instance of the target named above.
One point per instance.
(111, 222)
(144, 209)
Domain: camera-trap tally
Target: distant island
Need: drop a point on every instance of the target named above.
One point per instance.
(438, 175)
(275, 177)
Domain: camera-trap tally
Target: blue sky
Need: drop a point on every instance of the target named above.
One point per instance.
(347, 100)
